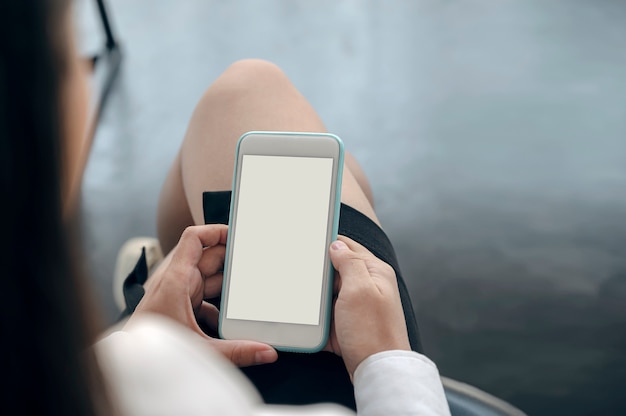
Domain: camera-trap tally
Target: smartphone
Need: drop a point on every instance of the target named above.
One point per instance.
(284, 213)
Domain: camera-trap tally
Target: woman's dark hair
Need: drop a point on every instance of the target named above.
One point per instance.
(47, 366)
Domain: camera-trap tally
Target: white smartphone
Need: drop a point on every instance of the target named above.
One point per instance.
(284, 213)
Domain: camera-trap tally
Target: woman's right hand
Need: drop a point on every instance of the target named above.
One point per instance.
(368, 315)
(190, 274)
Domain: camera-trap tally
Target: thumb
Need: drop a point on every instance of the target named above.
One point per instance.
(245, 353)
(348, 263)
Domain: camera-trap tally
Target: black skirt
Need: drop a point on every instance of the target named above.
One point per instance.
(297, 378)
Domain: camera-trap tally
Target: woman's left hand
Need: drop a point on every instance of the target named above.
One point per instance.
(190, 274)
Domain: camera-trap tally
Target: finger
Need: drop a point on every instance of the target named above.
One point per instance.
(332, 345)
(212, 260)
(353, 245)
(213, 285)
(209, 315)
(245, 353)
(371, 262)
(212, 234)
(195, 238)
(350, 266)
(336, 283)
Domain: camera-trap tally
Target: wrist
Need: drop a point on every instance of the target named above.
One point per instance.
(353, 361)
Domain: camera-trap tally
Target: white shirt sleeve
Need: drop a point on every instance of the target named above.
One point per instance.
(399, 383)
(157, 367)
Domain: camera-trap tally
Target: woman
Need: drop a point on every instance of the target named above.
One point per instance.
(162, 360)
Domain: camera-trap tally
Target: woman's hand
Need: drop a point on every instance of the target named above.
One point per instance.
(187, 276)
(368, 316)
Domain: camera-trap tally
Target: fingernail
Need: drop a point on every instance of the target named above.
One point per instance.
(338, 245)
(265, 356)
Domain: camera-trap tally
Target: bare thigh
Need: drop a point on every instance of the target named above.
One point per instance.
(249, 95)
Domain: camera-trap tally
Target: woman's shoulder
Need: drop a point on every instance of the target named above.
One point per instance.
(156, 366)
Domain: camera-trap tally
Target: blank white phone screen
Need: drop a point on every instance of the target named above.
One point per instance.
(279, 241)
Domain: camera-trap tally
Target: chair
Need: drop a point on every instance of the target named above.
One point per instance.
(466, 400)
(105, 66)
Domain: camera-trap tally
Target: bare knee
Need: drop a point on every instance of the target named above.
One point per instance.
(253, 94)
(250, 76)
(259, 68)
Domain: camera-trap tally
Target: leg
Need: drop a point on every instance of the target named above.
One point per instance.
(173, 214)
(249, 95)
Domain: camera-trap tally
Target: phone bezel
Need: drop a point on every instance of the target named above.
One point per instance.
(286, 336)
